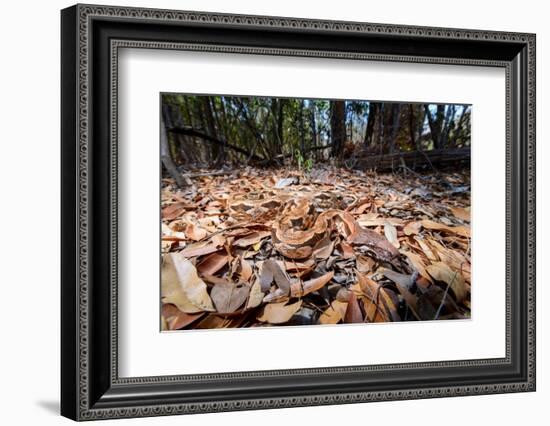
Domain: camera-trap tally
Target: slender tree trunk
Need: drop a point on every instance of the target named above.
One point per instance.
(338, 127)
(313, 124)
(302, 129)
(166, 156)
(373, 113)
(395, 122)
(412, 131)
(436, 124)
(211, 127)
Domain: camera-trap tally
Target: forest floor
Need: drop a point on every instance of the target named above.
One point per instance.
(261, 247)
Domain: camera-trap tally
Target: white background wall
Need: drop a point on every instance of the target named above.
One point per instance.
(29, 212)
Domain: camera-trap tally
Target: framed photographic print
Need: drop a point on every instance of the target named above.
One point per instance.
(263, 212)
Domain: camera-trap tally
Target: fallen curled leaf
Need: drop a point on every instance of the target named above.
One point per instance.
(323, 248)
(199, 249)
(380, 245)
(317, 283)
(347, 250)
(195, 232)
(463, 230)
(272, 270)
(461, 213)
(426, 248)
(412, 228)
(365, 264)
(256, 295)
(176, 319)
(403, 280)
(212, 263)
(391, 234)
(353, 312)
(277, 295)
(229, 297)
(404, 283)
(279, 313)
(379, 296)
(266, 276)
(418, 264)
(173, 211)
(454, 259)
(252, 239)
(181, 286)
(242, 269)
(299, 266)
(454, 279)
(334, 313)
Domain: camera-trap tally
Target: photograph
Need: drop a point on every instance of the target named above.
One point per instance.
(270, 208)
(292, 211)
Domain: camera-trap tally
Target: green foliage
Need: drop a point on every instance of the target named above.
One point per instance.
(303, 164)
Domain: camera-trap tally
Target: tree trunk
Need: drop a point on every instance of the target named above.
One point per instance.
(302, 129)
(436, 124)
(313, 124)
(412, 130)
(373, 112)
(395, 121)
(211, 128)
(338, 127)
(166, 157)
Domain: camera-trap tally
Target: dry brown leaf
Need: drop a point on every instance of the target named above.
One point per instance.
(266, 276)
(353, 312)
(242, 269)
(403, 283)
(256, 295)
(176, 319)
(173, 211)
(199, 249)
(212, 263)
(323, 249)
(317, 283)
(463, 230)
(365, 264)
(347, 250)
(195, 232)
(402, 280)
(272, 268)
(380, 245)
(229, 297)
(454, 259)
(461, 213)
(334, 313)
(418, 264)
(298, 266)
(379, 296)
(412, 228)
(279, 313)
(251, 239)
(391, 234)
(277, 295)
(426, 248)
(441, 272)
(181, 286)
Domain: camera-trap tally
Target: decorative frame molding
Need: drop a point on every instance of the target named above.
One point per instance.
(91, 388)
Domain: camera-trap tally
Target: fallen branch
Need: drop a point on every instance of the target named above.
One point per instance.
(189, 131)
(413, 159)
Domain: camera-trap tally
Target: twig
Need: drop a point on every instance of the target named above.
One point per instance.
(438, 312)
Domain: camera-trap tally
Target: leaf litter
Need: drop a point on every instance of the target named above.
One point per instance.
(263, 247)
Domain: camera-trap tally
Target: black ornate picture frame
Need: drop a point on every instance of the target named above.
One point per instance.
(91, 36)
